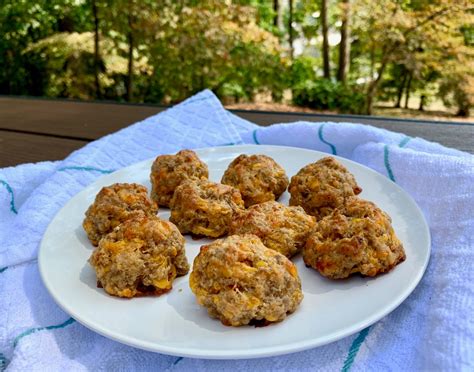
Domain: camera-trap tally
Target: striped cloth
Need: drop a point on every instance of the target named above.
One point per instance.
(431, 330)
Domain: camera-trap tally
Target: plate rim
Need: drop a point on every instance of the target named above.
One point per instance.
(239, 354)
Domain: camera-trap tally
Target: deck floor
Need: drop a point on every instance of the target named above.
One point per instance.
(33, 130)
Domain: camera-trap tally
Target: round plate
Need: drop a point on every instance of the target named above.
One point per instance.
(175, 324)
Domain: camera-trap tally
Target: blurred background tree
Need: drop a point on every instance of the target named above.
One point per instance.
(338, 55)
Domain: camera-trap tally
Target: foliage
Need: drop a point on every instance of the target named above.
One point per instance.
(217, 47)
(458, 89)
(419, 35)
(166, 50)
(304, 69)
(326, 94)
(72, 55)
(23, 22)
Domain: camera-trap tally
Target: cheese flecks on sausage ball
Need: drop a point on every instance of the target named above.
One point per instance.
(258, 177)
(205, 208)
(284, 229)
(140, 257)
(168, 171)
(113, 205)
(240, 281)
(322, 186)
(358, 238)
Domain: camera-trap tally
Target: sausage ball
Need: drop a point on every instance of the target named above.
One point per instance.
(142, 256)
(284, 229)
(205, 208)
(240, 281)
(358, 238)
(168, 171)
(113, 205)
(322, 186)
(258, 177)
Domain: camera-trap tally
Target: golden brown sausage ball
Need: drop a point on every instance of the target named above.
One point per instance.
(113, 205)
(168, 171)
(258, 177)
(322, 186)
(205, 208)
(358, 238)
(240, 281)
(142, 256)
(284, 229)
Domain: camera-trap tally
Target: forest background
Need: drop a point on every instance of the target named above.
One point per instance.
(399, 57)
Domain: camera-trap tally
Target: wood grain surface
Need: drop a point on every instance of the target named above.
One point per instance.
(17, 148)
(34, 129)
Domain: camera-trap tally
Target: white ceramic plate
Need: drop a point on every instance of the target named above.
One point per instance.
(175, 324)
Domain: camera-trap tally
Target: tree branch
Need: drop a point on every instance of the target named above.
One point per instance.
(428, 19)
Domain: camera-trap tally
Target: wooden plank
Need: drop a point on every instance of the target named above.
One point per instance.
(17, 148)
(457, 135)
(74, 119)
(43, 129)
(460, 137)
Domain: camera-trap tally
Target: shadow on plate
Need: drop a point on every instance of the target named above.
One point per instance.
(184, 302)
(314, 283)
(88, 277)
(82, 237)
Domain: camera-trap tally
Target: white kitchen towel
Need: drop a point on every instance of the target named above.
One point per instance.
(432, 330)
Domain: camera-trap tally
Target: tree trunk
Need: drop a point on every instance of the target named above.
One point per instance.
(290, 29)
(369, 99)
(464, 112)
(401, 88)
(130, 57)
(387, 52)
(345, 45)
(276, 13)
(96, 49)
(373, 86)
(372, 58)
(372, 48)
(324, 21)
(464, 106)
(408, 88)
(422, 103)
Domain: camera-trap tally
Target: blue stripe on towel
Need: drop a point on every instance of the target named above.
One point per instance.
(12, 196)
(386, 156)
(3, 362)
(3, 269)
(404, 141)
(356, 344)
(387, 163)
(321, 138)
(354, 349)
(254, 134)
(48, 328)
(90, 169)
